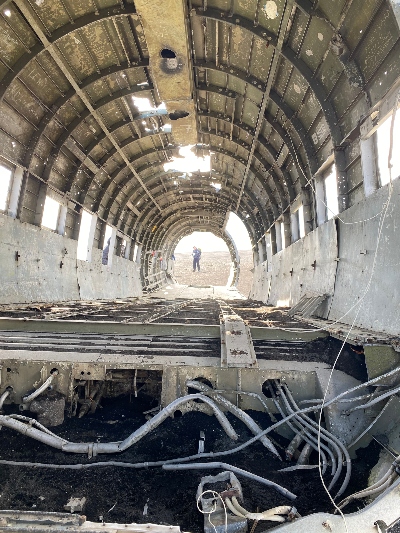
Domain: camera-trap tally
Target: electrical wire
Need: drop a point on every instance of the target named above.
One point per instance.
(215, 494)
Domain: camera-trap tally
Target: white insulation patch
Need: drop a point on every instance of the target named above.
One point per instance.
(271, 9)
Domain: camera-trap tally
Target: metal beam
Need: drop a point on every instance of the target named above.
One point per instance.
(277, 100)
(272, 168)
(90, 18)
(119, 328)
(155, 177)
(271, 78)
(286, 52)
(58, 58)
(127, 179)
(74, 124)
(149, 220)
(102, 75)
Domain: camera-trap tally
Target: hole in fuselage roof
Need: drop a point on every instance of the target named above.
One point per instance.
(166, 53)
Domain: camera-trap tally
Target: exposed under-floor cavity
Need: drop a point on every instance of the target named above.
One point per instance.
(123, 409)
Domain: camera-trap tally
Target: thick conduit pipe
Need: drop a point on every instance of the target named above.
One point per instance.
(374, 401)
(28, 430)
(210, 454)
(3, 397)
(239, 413)
(35, 394)
(304, 455)
(307, 423)
(307, 436)
(93, 448)
(335, 442)
(169, 410)
(368, 492)
(252, 395)
(235, 470)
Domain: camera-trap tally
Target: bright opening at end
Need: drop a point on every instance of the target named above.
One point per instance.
(215, 261)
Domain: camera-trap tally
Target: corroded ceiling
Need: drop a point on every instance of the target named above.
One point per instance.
(276, 88)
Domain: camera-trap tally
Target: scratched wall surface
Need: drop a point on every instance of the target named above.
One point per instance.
(121, 280)
(46, 268)
(307, 267)
(368, 277)
(261, 283)
(360, 270)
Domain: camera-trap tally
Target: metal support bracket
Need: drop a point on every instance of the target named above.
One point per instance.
(237, 348)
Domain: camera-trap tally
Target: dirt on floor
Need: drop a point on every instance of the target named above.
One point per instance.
(125, 495)
(323, 350)
(256, 313)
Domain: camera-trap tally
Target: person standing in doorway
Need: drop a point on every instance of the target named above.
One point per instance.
(196, 258)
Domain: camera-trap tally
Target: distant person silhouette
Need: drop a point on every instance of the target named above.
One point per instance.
(106, 251)
(196, 258)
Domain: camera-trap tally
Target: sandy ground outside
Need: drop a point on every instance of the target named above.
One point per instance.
(214, 270)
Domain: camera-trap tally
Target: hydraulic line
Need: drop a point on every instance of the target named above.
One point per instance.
(374, 401)
(304, 455)
(234, 469)
(334, 440)
(252, 395)
(384, 482)
(368, 492)
(93, 448)
(3, 397)
(307, 423)
(307, 437)
(298, 467)
(361, 435)
(35, 394)
(239, 413)
(294, 444)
